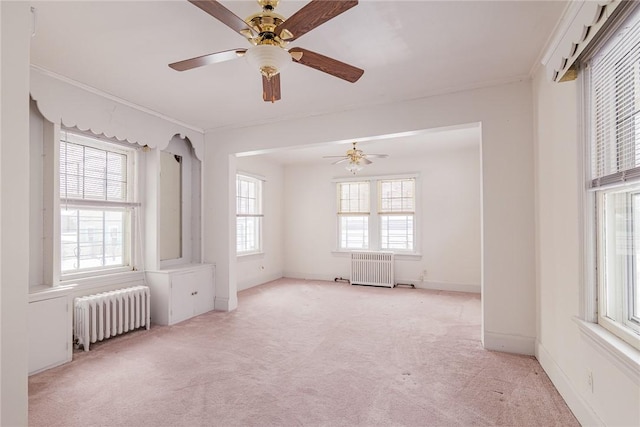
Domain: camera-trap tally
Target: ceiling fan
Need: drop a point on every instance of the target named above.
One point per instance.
(270, 33)
(356, 158)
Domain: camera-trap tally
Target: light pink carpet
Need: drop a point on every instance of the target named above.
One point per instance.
(303, 353)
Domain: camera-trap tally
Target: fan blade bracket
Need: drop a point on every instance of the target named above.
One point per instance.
(246, 33)
(296, 55)
(285, 35)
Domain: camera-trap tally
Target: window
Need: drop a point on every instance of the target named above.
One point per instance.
(248, 214)
(397, 208)
(613, 86)
(391, 227)
(353, 215)
(95, 206)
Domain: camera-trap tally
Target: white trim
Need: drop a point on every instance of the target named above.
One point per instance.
(358, 178)
(580, 408)
(580, 24)
(251, 175)
(114, 98)
(568, 16)
(65, 102)
(98, 204)
(304, 276)
(509, 343)
(402, 256)
(224, 304)
(249, 255)
(257, 281)
(444, 286)
(614, 349)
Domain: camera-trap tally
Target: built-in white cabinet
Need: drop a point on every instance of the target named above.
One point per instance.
(180, 293)
(50, 340)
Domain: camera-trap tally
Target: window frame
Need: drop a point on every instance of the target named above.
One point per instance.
(375, 215)
(257, 216)
(128, 205)
(361, 212)
(593, 292)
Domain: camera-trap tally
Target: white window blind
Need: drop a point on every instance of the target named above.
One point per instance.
(397, 196)
(353, 198)
(613, 87)
(615, 103)
(95, 205)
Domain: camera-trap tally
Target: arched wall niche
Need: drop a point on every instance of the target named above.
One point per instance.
(71, 104)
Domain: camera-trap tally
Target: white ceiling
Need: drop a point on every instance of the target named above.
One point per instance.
(408, 49)
(409, 144)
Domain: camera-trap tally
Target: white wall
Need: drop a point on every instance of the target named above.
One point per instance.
(448, 219)
(255, 269)
(36, 164)
(505, 113)
(565, 353)
(14, 214)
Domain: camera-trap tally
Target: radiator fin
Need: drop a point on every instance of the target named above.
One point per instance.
(372, 268)
(107, 314)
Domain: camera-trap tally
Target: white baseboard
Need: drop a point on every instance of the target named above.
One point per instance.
(445, 286)
(247, 284)
(225, 304)
(305, 276)
(563, 384)
(509, 343)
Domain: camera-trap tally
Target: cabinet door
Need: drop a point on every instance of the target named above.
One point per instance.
(182, 296)
(49, 334)
(204, 287)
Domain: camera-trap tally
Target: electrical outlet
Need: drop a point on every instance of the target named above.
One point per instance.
(590, 381)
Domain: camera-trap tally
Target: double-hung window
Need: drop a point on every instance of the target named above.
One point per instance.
(353, 214)
(390, 227)
(396, 201)
(248, 214)
(96, 203)
(613, 88)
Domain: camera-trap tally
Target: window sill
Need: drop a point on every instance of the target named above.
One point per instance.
(250, 256)
(102, 279)
(45, 292)
(397, 255)
(623, 355)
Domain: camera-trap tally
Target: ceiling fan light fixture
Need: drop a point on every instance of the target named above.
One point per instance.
(354, 167)
(269, 59)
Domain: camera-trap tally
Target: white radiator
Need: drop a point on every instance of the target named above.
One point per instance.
(107, 314)
(372, 268)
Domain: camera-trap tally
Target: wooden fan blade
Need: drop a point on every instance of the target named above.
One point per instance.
(211, 58)
(325, 64)
(314, 14)
(225, 16)
(271, 88)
